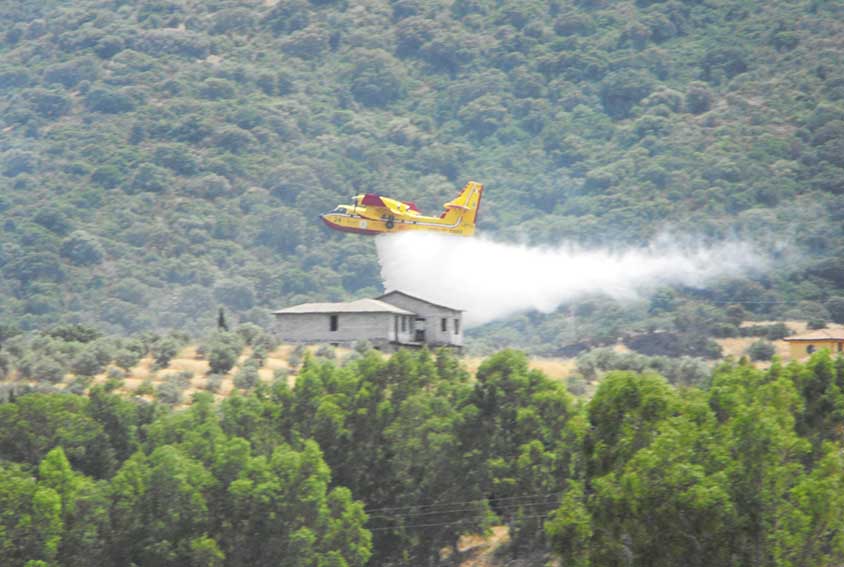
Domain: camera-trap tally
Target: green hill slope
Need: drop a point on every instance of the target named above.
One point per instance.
(160, 158)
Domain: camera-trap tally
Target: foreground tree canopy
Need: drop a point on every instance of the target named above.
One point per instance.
(161, 158)
(389, 462)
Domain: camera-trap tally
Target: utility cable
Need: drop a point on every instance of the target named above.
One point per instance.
(504, 507)
(412, 526)
(463, 503)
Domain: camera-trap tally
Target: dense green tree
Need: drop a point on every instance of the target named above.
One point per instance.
(36, 423)
(158, 507)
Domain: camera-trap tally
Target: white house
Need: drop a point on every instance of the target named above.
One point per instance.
(435, 325)
(395, 319)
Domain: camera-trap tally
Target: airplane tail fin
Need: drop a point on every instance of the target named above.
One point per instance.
(464, 208)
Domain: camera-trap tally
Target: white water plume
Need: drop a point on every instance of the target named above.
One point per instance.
(492, 280)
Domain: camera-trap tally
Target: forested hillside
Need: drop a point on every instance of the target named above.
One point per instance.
(387, 463)
(160, 158)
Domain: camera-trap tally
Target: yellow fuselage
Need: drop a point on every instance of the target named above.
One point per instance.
(375, 220)
(373, 214)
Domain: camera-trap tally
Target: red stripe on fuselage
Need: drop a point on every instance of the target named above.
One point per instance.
(341, 228)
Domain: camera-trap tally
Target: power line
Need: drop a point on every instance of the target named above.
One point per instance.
(463, 503)
(505, 507)
(381, 529)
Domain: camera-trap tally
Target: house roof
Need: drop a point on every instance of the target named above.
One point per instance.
(833, 334)
(358, 306)
(395, 291)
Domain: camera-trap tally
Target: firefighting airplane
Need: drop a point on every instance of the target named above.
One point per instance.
(374, 214)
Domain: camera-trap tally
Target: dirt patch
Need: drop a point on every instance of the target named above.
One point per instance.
(554, 368)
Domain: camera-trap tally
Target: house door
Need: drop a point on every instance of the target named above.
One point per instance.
(420, 330)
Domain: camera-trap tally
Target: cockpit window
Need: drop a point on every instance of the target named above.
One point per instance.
(340, 209)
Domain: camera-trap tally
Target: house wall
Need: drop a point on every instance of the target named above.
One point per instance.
(433, 315)
(406, 336)
(799, 349)
(378, 328)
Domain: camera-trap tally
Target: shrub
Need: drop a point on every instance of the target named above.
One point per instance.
(377, 79)
(309, 43)
(233, 139)
(108, 101)
(280, 375)
(71, 73)
(777, 331)
(108, 46)
(79, 385)
(16, 162)
(576, 385)
(53, 220)
(295, 358)
(723, 330)
(145, 388)
(249, 332)
(49, 104)
(835, 306)
(86, 363)
(327, 351)
(216, 89)
(761, 350)
(232, 19)
(223, 351)
(698, 98)
(247, 377)
(164, 350)
(210, 186)
(127, 359)
(5, 365)
(151, 178)
(176, 157)
(288, 16)
(621, 90)
(484, 115)
(74, 333)
(47, 369)
(14, 77)
(259, 353)
(82, 249)
(172, 42)
(168, 393)
(115, 374)
(723, 61)
(214, 382)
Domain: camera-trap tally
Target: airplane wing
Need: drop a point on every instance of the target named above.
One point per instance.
(396, 208)
(372, 200)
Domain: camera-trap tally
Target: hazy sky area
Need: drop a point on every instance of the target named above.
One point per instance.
(492, 280)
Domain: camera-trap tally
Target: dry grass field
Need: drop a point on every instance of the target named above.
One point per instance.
(192, 369)
(738, 346)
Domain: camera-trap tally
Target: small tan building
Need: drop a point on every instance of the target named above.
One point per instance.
(801, 346)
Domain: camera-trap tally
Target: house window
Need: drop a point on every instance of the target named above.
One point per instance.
(810, 349)
(840, 347)
(444, 322)
(457, 326)
(403, 324)
(334, 324)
